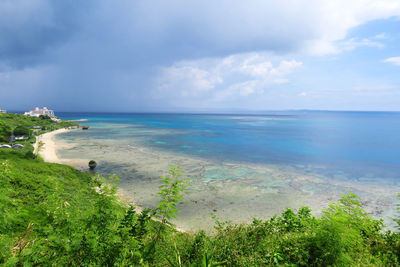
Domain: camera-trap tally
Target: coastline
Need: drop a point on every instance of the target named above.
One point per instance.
(239, 197)
(234, 192)
(48, 152)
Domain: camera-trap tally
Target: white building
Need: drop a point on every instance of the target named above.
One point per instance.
(55, 119)
(37, 112)
(3, 111)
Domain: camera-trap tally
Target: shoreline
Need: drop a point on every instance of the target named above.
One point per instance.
(235, 199)
(48, 152)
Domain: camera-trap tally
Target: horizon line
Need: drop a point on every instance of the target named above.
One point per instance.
(211, 112)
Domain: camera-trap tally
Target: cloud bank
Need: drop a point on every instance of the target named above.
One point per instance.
(217, 80)
(143, 55)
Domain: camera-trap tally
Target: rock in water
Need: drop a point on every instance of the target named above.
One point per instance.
(92, 164)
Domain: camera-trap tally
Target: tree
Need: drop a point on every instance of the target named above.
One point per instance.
(171, 193)
(21, 130)
(44, 117)
(5, 132)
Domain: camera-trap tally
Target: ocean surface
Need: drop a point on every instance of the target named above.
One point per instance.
(244, 166)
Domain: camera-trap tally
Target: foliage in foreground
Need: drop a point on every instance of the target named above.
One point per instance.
(52, 214)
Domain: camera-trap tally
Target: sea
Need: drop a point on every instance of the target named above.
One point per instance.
(243, 166)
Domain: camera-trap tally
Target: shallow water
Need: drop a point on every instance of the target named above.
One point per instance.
(242, 166)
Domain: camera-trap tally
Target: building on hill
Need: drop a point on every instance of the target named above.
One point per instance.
(3, 111)
(55, 119)
(38, 112)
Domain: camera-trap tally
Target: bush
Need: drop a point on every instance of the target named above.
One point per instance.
(5, 132)
(44, 117)
(22, 130)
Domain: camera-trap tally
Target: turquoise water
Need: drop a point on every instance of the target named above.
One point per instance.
(340, 145)
(242, 166)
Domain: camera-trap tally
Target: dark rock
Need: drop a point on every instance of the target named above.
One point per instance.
(92, 164)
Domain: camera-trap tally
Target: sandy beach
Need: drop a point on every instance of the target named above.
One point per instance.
(48, 150)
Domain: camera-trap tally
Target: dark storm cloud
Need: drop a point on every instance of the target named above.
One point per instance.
(105, 55)
(147, 32)
(111, 50)
(30, 28)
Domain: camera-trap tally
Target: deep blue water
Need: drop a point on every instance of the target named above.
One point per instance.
(355, 145)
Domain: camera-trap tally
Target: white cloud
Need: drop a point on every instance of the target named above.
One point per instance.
(242, 89)
(191, 80)
(256, 67)
(393, 60)
(217, 79)
(334, 19)
(311, 26)
(354, 43)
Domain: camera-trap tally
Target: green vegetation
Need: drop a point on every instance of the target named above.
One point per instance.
(52, 214)
(20, 125)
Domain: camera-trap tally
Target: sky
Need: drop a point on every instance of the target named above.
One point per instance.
(209, 55)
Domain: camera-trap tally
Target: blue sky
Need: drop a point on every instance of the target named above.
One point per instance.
(200, 56)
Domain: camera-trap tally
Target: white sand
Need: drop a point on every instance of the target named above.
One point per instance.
(48, 151)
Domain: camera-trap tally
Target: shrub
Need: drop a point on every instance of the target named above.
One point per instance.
(22, 130)
(5, 132)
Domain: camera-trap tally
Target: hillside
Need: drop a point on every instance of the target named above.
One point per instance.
(20, 125)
